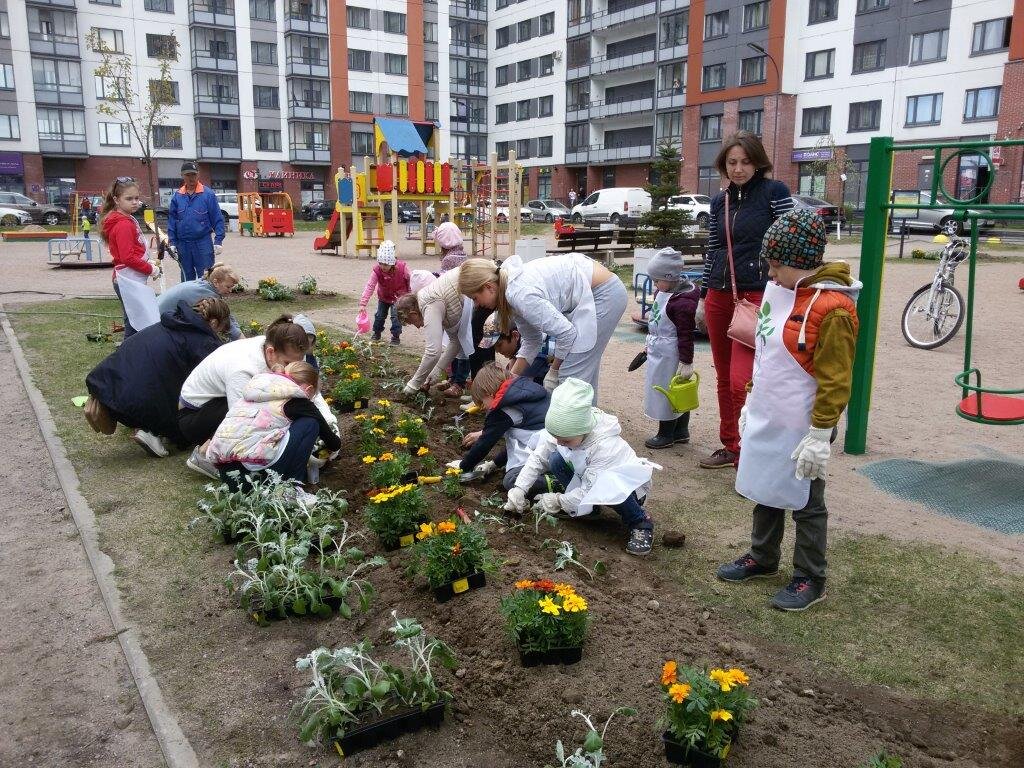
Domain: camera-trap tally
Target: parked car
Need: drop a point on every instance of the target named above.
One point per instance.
(698, 206)
(547, 210)
(318, 210)
(502, 211)
(828, 212)
(44, 213)
(228, 202)
(616, 205)
(407, 211)
(936, 220)
(13, 217)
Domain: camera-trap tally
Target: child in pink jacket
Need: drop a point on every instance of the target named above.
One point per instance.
(390, 277)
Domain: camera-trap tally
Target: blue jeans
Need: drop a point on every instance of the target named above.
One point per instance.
(460, 371)
(380, 316)
(291, 464)
(631, 510)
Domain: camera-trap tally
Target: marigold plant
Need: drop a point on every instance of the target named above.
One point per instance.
(413, 430)
(544, 614)
(271, 290)
(394, 512)
(350, 388)
(450, 550)
(705, 708)
(388, 468)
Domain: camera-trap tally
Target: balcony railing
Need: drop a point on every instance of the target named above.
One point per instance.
(306, 66)
(215, 60)
(672, 5)
(219, 149)
(603, 64)
(213, 104)
(605, 154)
(671, 97)
(626, 16)
(605, 109)
(57, 3)
(214, 13)
(63, 144)
(475, 10)
(468, 87)
(670, 52)
(308, 152)
(56, 93)
(468, 49)
(47, 44)
(309, 109)
(299, 17)
(579, 111)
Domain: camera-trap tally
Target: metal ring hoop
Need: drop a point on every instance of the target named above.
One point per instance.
(984, 191)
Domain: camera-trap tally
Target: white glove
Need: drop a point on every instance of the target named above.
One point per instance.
(699, 319)
(516, 501)
(455, 464)
(551, 503)
(334, 455)
(409, 390)
(812, 454)
(217, 249)
(743, 419)
(551, 380)
(485, 467)
(685, 371)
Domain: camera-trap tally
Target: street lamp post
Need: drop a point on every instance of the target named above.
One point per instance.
(778, 87)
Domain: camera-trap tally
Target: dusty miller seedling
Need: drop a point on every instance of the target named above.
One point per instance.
(567, 554)
(591, 754)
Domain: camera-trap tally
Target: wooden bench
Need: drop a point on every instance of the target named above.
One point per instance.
(583, 240)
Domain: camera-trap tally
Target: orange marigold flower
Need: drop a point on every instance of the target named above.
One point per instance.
(668, 673)
(679, 692)
(446, 526)
(544, 585)
(739, 677)
(524, 584)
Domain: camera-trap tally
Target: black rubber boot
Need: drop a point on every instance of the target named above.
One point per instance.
(665, 437)
(682, 430)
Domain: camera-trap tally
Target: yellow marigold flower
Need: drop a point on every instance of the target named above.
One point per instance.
(355, 376)
(453, 471)
(360, 417)
(723, 678)
(369, 459)
(377, 431)
(564, 590)
(523, 584)
(386, 456)
(328, 400)
(401, 440)
(720, 714)
(446, 526)
(384, 403)
(351, 366)
(739, 677)
(679, 692)
(426, 531)
(329, 371)
(574, 604)
(418, 421)
(423, 451)
(378, 417)
(668, 673)
(547, 605)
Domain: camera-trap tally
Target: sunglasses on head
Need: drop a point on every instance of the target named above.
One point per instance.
(125, 180)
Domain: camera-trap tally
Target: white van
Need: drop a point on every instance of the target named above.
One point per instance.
(616, 205)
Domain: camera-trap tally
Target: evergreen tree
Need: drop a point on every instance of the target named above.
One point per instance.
(662, 226)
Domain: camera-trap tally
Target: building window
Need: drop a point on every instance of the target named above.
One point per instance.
(264, 53)
(670, 126)
(164, 92)
(524, 70)
(358, 61)
(265, 97)
(501, 37)
(56, 75)
(166, 137)
(820, 64)
(868, 57)
(547, 25)
(523, 149)
(60, 124)
(396, 105)
(708, 180)
(6, 77)
(394, 63)
(114, 135)
(10, 129)
(543, 181)
(523, 110)
(716, 25)
(357, 18)
(394, 22)
(160, 6)
(162, 47)
(547, 65)
(675, 29)
(545, 146)
(753, 70)
(262, 10)
(713, 77)
(928, 46)
(751, 120)
(755, 16)
(429, 31)
(816, 121)
(362, 143)
(711, 128)
(671, 79)
(268, 140)
(501, 114)
(823, 10)
(5, 26)
(990, 36)
(501, 75)
(545, 106)
(982, 103)
(811, 180)
(431, 110)
(360, 102)
(524, 30)
(111, 40)
(863, 6)
(501, 148)
(430, 71)
(108, 88)
(925, 109)
(106, 2)
(577, 137)
(865, 116)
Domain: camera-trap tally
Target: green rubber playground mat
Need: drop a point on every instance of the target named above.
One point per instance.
(987, 491)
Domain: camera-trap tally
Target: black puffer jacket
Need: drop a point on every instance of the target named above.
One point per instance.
(752, 209)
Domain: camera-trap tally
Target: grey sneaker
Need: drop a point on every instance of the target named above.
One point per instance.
(745, 569)
(640, 541)
(150, 443)
(800, 594)
(199, 463)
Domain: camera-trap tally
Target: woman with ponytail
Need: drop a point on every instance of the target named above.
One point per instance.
(218, 281)
(568, 298)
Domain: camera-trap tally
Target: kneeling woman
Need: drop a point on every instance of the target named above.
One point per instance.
(138, 385)
(569, 298)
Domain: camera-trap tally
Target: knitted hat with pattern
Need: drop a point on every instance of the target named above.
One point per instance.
(571, 412)
(387, 254)
(796, 239)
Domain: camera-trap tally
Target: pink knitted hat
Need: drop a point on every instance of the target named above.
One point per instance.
(448, 235)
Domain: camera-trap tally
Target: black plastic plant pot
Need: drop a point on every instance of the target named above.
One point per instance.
(407, 539)
(551, 656)
(457, 587)
(691, 757)
(369, 736)
(355, 405)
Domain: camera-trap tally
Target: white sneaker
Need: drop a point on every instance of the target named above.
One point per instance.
(150, 443)
(199, 463)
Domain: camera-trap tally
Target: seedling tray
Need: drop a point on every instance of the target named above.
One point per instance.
(369, 736)
(551, 656)
(355, 405)
(457, 587)
(684, 754)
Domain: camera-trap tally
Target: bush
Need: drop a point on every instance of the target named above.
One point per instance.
(307, 285)
(271, 290)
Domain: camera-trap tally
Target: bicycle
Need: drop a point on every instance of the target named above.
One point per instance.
(935, 312)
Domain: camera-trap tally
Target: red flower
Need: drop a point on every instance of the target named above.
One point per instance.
(544, 585)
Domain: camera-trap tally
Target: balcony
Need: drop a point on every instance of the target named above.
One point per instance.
(673, 5)
(59, 94)
(71, 144)
(476, 10)
(305, 19)
(218, 139)
(309, 109)
(47, 44)
(605, 20)
(212, 13)
(673, 52)
(468, 49)
(602, 64)
(309, 153)
(671, 98)
(306, 66)
(210, 149)
(580, 26)
(603, 110)
(464, 87)
(216, 60)
(216, 104)
(599, 154)
(576, 112)
(52, 3)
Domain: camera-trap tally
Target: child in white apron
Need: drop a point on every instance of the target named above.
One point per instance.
(670, 330)
(803, 370)
(583, 448)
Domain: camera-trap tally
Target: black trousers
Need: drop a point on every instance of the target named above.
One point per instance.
(197, 425)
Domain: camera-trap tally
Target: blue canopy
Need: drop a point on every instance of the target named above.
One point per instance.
(401, 136)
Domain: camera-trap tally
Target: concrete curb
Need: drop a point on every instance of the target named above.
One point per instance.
(177, 750)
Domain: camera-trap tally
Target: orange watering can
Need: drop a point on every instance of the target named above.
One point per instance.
(682, 393)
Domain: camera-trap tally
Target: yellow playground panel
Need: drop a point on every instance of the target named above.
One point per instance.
(261, 214)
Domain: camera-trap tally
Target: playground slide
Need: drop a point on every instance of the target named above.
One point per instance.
(325, 242)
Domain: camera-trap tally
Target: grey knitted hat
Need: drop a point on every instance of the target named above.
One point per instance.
(666, 264)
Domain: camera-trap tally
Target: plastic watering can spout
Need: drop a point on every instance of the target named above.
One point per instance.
(682, 393)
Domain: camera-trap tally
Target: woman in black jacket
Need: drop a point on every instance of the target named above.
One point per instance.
(139, 384)
(755, 201)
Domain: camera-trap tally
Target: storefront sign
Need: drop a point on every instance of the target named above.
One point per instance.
(905, 197)
(271, 185)
(810, 155)
(10, 162)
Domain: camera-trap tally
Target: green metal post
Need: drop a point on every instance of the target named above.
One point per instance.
(971, 273)
(872, 261)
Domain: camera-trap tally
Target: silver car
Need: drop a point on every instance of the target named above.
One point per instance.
(547, 210)
(936, 220)
(12, 217)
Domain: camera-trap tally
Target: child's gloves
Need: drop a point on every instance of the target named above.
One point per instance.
(455, 464)
(551, 380)
(484, 468)
(743, 419)
(551, 503)
(685, 371)
(218, 250)
(516, 501)
(408, 390)
(812, 454)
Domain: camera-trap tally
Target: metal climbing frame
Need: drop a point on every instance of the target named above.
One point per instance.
(497, 195)
(877, 209)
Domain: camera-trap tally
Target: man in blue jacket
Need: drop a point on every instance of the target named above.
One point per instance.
(191, 217)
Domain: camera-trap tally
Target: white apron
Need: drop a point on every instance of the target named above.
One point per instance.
(466, 329)
(778, 412)
(662, 359)
(612, 486)
(138, 298)
(519, 444)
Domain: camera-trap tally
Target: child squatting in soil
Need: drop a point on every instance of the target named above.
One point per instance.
(390, 278)
(583, 448)
(516, 407)
(669, 345)
(273, 427)
(803, 370)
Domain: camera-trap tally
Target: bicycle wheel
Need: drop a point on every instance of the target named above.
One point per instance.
(927, 326)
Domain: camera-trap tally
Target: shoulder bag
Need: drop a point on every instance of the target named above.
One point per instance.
(744, 313)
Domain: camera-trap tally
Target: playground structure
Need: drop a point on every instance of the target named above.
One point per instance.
(261, 214)
(980, 404)
(402, 172)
